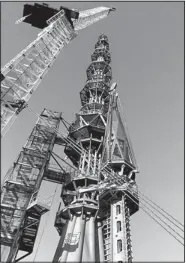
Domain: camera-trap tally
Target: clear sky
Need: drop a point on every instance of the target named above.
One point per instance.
(147, 49)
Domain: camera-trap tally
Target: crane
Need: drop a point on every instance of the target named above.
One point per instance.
(22, 75)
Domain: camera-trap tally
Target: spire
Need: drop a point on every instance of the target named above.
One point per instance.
(99, 74)
(91, 120)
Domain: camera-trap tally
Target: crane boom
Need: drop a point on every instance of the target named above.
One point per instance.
(21, 76)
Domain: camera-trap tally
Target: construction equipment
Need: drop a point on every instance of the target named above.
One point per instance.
(22, 75)
(99, 193)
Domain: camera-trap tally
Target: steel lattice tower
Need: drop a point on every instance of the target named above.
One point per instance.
(94, 222)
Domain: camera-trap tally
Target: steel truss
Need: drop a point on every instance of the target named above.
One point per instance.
(22, 75)
(20, 210)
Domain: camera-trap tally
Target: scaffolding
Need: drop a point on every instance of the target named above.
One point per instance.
(20, 210)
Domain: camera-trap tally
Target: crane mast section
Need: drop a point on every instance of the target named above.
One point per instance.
(20, 209)
(21, 183)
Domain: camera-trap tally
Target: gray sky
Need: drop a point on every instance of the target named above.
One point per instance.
(147, 49)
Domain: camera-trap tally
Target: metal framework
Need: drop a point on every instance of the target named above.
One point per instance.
(94, 222)
(20, 211)
(99, 193)
(22, 75)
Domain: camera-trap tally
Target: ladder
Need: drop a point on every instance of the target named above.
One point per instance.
(107, 237)
(126, 230)
(21, 76)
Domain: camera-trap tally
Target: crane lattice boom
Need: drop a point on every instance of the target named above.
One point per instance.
(22, 75)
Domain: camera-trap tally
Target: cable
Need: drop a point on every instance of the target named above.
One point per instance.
(157, 216)
(161, 212)
(139, 192)
(135, 195)
(76, 147)
(107, 170)
(123, 117)
(161, 219)
(130, 143)
(66, 162)
(46, 221)
(156, 220)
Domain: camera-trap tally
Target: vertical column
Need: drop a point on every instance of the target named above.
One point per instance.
(5, 250)
(112, 214)
(91, 243)
(58, 252)
(66, 245)
(75, 256)
(100, 240)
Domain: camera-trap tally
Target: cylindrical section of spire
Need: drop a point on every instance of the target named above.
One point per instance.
(5, 250)
(59, 251)
(79, 229)
(100, 241)
(91, 243)
(66, 245)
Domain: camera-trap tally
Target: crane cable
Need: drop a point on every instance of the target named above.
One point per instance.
(135, 196)
(161, 212)
(81, 150)
(156, 220)
(45, 223)
(76, 147)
